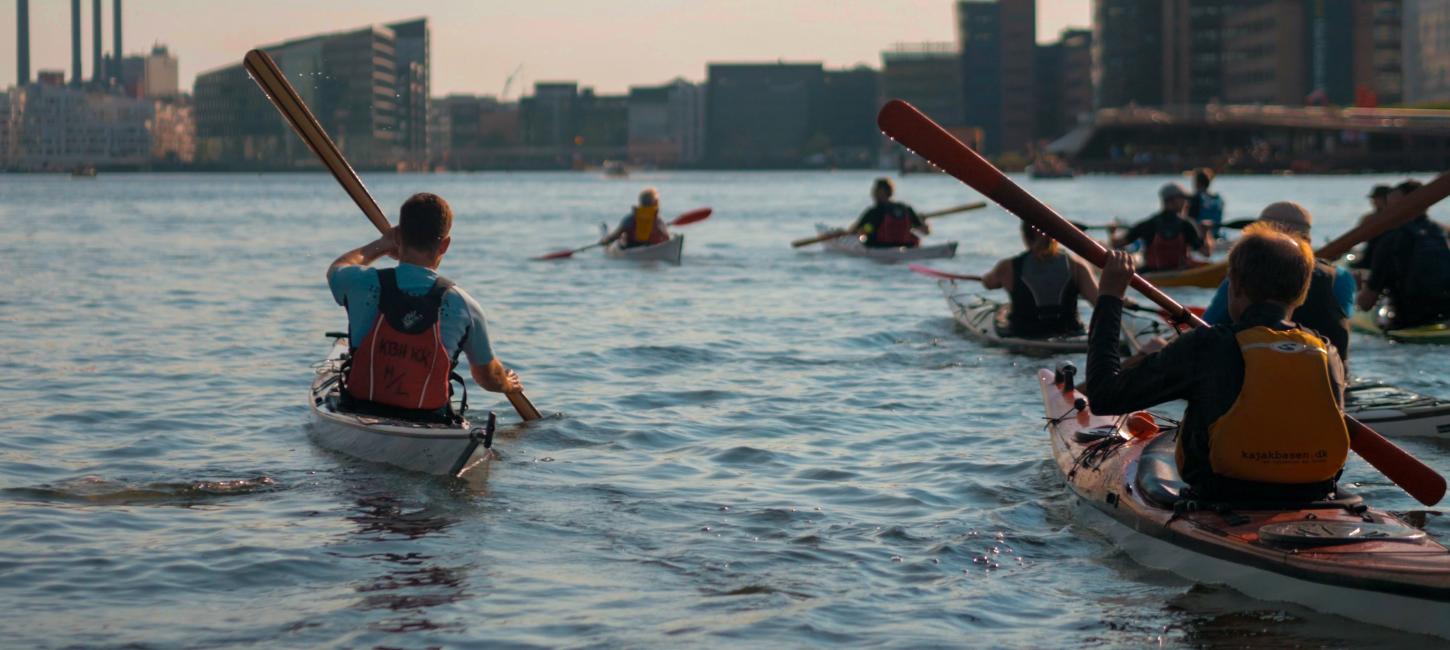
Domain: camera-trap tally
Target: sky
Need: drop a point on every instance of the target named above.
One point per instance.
(477, 44)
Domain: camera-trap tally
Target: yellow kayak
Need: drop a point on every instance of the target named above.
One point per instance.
(1208, 276)
(1370, 323)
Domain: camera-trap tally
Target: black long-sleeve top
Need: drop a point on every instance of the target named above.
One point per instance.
(1203, 367)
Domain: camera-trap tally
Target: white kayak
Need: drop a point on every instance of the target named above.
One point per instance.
(431, 448)
(853, 246)
(1397, 412)
(669, 251)
(985, 320)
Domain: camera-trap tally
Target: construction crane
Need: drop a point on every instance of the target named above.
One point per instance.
(508, 83)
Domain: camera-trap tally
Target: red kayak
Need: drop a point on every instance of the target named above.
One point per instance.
(1341, 556)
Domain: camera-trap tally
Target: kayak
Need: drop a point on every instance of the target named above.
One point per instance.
(853, 246)
(1340, 557)
(668, 251)
(431, 448)
(986, 320)
(1397, 412)
(1207, 276)
(1372, 323)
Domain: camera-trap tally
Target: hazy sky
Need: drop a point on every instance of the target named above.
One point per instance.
(608, 44)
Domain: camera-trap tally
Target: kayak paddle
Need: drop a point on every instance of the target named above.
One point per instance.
(942, 275)
(1392, 216)
(842, 233)
(274, 84)
(694, 216)
(903, 123)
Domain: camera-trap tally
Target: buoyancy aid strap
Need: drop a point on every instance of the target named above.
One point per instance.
(1285, 426)
(373, 355)
(432, 364)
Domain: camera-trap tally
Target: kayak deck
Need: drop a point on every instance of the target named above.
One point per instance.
(984, 319)
(852, 246)
(669, 251)
(1397, 412)
(1388, 573)
(428, 447)
(1372, 323)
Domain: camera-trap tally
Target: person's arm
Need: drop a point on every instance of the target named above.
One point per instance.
(917, 223)
(365, 255)
(486, 369)
(1382, 271)
(616, 233)
(862, 225)
(999, 277)
(1197, 238)
(495, 378)
(1217, 311)
(1160, 376)
(1087, 281)
(1138, 231)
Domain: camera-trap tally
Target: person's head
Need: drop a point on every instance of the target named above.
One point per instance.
(1267, 265)
(424, 223)
(1202, 178)
(1380, 196)
(1403, 190)
(1288, 217)
(882, 190)
(1037, 241)
(650, 197)
(1174, 197)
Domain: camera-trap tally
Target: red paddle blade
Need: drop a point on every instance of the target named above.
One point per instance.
(933, 273)
(557, 255)
(692, 217)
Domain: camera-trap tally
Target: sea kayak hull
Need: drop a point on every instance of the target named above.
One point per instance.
(980, 319)
(1123, 484)
(1370, 323)
(1398, 413)
(669, 251)
(419, 447)
(852, 246)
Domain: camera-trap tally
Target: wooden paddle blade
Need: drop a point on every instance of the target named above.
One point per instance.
(692, 216)
(961, 208)
(1425, 485)
(818, 239)
(523, 406)
(943, 275)
(1392, 216)
(274, 84)
(556, 255)
(903, 123)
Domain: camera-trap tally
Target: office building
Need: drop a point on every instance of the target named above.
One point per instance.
(761, 115)
(929, 76)
(55, 127)
(1127, 48)
(667, 124)
(847, 135)
(1064, 83)
(350, 81)
(1426, 51)
(998, 40)
(472, 132)
(411, 48)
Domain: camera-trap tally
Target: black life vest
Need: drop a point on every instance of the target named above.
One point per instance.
(402, 362)
(1322, 312)
(1044, 297)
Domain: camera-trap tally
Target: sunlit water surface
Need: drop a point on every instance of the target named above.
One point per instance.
(762, 446)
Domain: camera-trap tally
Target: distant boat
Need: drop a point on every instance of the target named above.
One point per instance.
(83, 171)
(615, 169)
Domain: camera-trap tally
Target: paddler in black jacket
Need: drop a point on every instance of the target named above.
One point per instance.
(889, 224)
(1264, 420)
(1045, 284)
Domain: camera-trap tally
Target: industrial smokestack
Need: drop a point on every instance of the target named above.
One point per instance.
(75, 42)
(22, 42)
(116, 62)
(98, 75)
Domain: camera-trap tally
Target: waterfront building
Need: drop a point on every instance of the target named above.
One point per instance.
(761, 115)
(929, 76)
(1064, 83)
(847, 135)
(667, 124)
(998, 40)
(350, 81)
(54, 127)
(1127, 53)
(473, 132)
(1427, 51)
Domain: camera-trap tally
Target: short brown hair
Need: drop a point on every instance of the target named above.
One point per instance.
(885, 183)
(1268, 265)
(424, 220)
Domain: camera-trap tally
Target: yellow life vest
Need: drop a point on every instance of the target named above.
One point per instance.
(1285, 426)
(644, 222)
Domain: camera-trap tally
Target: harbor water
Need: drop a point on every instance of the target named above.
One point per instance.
(760, 447)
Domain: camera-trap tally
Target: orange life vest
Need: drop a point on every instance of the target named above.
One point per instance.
(645, 231)
(1285, 426)
(402, 362)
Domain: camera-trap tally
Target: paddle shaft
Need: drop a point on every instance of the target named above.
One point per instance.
(1392, 216)
(842, 233)
(903, 123)
(274, 84)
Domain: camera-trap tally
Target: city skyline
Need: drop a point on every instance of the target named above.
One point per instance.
(845, 33)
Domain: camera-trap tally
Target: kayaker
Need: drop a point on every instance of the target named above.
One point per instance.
(889, 224)
(407, 325)
(643, 226)
(1410, 265)
(1045, 284)
(1379, 197)
(1167, 236)
(1205, 208)
(1330, 299)
(1264, 419)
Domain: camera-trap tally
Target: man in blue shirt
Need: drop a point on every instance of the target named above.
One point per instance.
(455, 325)
(1330, 298)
